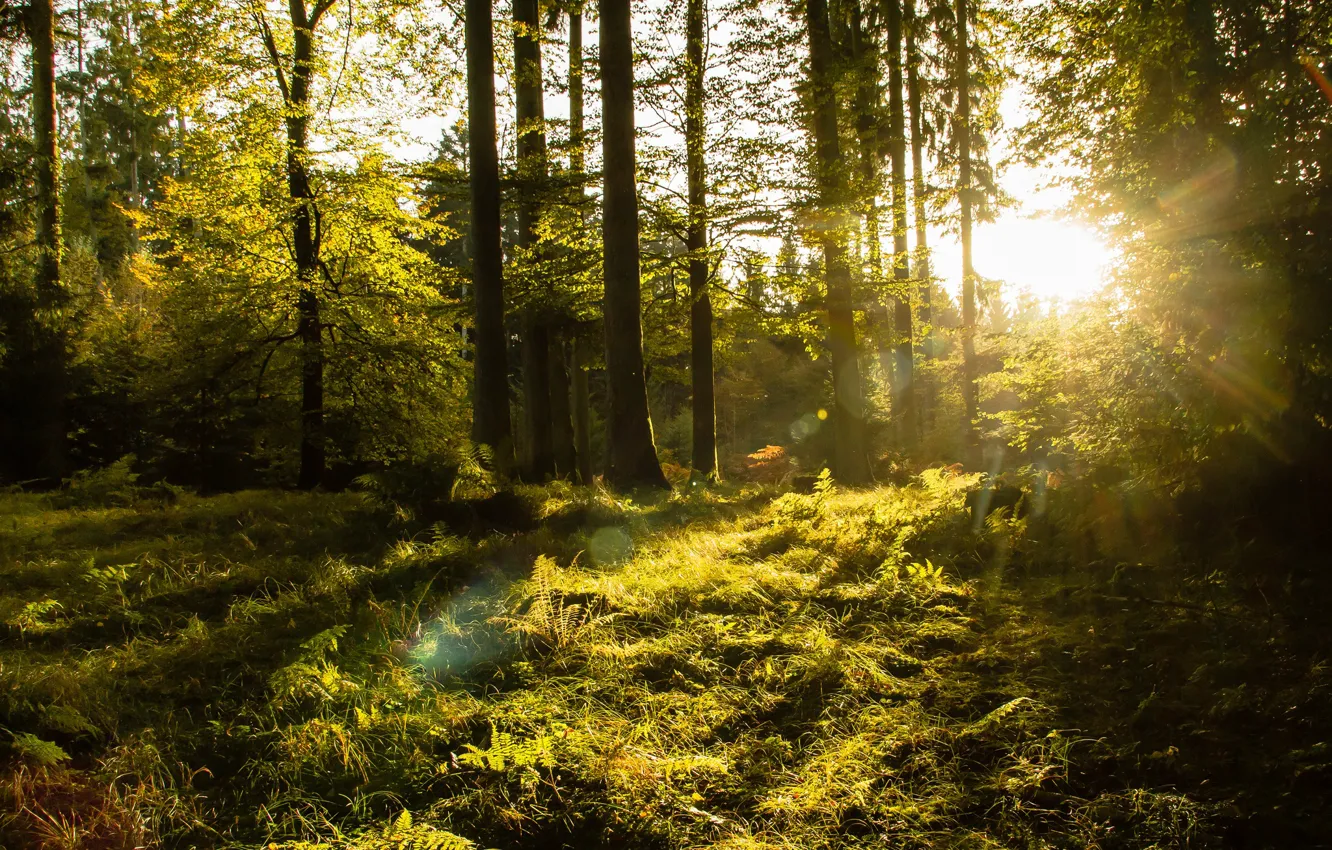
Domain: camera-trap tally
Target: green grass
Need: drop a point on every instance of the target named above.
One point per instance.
(724, 669)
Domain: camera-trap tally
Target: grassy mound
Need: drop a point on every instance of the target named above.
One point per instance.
(712, 670)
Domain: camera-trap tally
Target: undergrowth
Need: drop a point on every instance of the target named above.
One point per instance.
(718, 669)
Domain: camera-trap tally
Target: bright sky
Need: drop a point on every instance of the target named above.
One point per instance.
(1028, 246)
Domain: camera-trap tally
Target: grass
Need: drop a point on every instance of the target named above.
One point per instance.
(728, 669)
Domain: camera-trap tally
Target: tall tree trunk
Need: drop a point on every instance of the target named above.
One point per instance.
(904, 368)
(528, 94)
(577, 140)
(922, 260)
(866, 57)
(852, 459)
(963, 82)
(491, 424)
(582, 397)
(700, 310)
(39, 453)
(305, 244)
(633, 456)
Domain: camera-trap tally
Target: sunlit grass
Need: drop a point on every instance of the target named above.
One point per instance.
(719, 669)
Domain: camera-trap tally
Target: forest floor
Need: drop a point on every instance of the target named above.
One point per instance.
(731, 668)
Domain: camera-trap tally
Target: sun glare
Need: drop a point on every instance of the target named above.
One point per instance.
(1051, 259)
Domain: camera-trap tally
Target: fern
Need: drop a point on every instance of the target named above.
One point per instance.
(38, 751)
(548, 619)
(403, 834)
(506, 751)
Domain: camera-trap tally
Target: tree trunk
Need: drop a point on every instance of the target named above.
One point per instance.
(582, 410)
(852, 460)
(528, 94)
(577, 152)
(582, 399)
(904, 390)
(491, 424)
(865, 55)
(633, 456)
(39, 453)
(963, 77)
(704, 455)
(922, 264)
(561, 413)
(305, 245)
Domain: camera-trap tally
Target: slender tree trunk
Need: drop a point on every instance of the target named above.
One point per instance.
(700, 310)
(922, 263)
(83, 133)
(577, 140)
(305, 244)
(866, 57)
(582, 397)
(40, 452)
(491, 424)
(633, 456)
(963, 78)
(532, 175)
(904, 367)
(852, 459)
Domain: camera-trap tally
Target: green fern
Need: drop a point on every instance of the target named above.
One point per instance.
(548, 618)
(506, 751)
(37, 751)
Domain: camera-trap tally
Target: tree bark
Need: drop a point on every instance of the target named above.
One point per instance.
(561, 412)
(865, 55)
(582, 399)
(971, 444)
(904, 390)
(704, 454)
(582, 410)
(633, 456)
(39, 454)
(491, 424)
(922, 263)
(852, 460)
(531, 118)
(305, 244)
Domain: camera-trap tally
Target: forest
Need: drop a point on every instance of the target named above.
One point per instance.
(738, 424)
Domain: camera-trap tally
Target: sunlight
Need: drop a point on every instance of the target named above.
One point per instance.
(1051, 258)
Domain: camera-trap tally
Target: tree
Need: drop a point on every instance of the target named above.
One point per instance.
(852, 459)
(865, 57)
(921, 270)
(294, 81)
(633, 455)
(581, 392)
(490, 389)
(962, 128)
(532, 168)
(700, 300)
(35, 350)
(904, 410)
